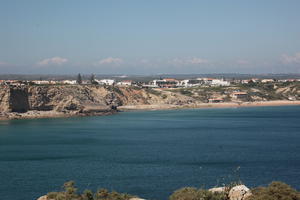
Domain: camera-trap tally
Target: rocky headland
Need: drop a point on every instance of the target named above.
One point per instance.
(79, 100)
(49, 101)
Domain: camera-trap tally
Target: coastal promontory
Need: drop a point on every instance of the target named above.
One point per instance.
(47, 101)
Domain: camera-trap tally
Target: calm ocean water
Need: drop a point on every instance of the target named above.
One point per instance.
(152, 153)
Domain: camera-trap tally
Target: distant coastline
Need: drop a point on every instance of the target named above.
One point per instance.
(53, 101)
(54, 114)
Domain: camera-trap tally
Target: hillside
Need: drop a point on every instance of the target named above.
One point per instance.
(83, 100)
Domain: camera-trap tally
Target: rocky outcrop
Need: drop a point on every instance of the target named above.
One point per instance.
(18, 99)
(14, 99)
(239, 192)
(16, 102)
(68, 100)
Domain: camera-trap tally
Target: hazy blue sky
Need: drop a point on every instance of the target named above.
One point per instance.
(149, 37)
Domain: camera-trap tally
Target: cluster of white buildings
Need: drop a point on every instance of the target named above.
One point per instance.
(173, 83)
(157, 83)
(113, 82)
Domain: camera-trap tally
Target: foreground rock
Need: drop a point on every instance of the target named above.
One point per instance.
(239, 192)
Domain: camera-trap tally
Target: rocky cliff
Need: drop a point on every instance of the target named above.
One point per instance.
(70, 100)
(30, 101)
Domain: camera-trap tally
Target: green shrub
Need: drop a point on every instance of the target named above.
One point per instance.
(190, 193)
(152, 91)
(103, 194)
(186, 92)
(87, 195)
(275, 191)
(70, 193)
(164, 96)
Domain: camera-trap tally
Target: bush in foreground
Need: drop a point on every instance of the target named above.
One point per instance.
(190, 193)
(275, 191)
(70, 193)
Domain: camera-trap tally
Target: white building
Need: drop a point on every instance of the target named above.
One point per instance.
(267, 80)
(106, 81)
(220, 82)
(190, 83)
(125, 83)
(69, 82)
(183, 83)
(165, 83)
(43, 82)
(245, 81)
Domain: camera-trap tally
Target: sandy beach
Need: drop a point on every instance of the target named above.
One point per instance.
(209, 105)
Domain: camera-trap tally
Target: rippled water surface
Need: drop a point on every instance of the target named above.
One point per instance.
(152, 153)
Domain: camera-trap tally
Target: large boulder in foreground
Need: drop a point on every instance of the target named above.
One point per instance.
(239, 192)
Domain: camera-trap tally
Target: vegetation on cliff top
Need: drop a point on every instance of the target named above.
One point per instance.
(274, 191)
(70, 192)
(190, 193)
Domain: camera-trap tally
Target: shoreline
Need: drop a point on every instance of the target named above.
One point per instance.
(49, 115)
(54, 114)
(209, 105)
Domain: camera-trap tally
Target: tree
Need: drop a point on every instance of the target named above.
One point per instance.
(92, 79)
(79, 79)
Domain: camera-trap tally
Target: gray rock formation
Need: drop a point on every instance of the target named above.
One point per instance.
(68, 100)
(239, 192)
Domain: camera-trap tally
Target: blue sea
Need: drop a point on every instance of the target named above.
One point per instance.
(150, 153)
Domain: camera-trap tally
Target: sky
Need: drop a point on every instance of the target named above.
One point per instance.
(149, 37)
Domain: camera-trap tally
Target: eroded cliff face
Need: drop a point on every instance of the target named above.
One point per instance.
(4, 99)
(18, 100)
(81, 99)
(69, 98)
(136, 96)
(64, 99)
(13, 99)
